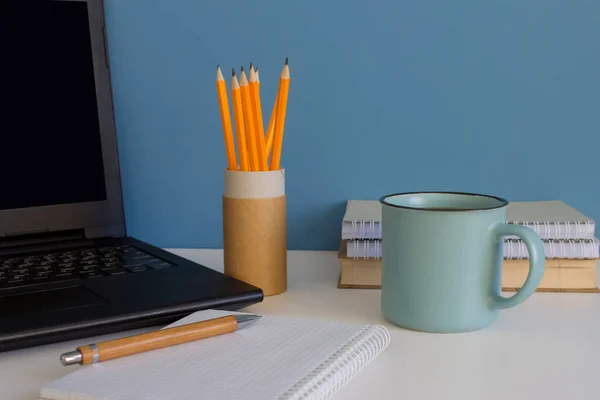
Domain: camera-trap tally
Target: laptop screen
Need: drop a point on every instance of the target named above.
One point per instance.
(50, 149)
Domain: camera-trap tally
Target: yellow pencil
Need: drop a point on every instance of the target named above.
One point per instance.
(271, 128)
(238, 114)
(259, 129)
(284, 81)
(249, 121)
(226, 120)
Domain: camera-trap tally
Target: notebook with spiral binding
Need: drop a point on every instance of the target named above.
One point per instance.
(276, 358)
(552, 219)
(362, 220)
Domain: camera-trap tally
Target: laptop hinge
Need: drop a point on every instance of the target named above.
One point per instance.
(11, 244)
(113, 231)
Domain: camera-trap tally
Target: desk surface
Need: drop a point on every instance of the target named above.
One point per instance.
(547, 348)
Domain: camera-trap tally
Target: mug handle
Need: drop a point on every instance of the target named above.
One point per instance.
(535, 247)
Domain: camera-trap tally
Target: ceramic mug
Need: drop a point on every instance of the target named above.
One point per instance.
(442, 260)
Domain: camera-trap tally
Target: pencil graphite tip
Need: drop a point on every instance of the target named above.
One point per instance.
(286, 61)
(250, 64)
(256, 68)
(232, 71)
(218, 67)
(242, 69)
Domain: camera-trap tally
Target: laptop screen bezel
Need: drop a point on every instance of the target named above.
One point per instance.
(108, 213)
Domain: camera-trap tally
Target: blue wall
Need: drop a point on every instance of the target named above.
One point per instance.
(500, 97)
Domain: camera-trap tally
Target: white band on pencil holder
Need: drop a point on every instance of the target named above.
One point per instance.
(255, 229)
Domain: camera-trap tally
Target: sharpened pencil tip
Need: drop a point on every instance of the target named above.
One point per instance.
(242, 68)
(218, 67)
(250, 64)
(232, 71)
(286, 61)
(256, 68)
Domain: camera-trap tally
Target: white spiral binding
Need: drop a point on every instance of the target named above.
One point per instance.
(367, 248)
(513, 249)
(341, 366)
(559, 229)
(555, 248)
(363, 229)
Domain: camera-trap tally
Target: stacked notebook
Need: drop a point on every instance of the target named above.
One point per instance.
(568, 235)
(275, 358)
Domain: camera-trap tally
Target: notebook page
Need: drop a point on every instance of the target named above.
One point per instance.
(541, 211)
(259, 362)
(363, 210)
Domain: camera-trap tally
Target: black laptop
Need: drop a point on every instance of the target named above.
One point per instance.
(67, 267)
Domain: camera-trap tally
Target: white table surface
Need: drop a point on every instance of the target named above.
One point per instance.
(547, 348)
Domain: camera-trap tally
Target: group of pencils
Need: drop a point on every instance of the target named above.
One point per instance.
(254, 144)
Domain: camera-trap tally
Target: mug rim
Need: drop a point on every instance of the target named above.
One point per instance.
(503, 202)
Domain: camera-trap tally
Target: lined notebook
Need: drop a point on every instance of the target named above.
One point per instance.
(276, 358)
(512, 248)
(552, 219)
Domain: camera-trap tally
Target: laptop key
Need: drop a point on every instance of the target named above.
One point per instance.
(161, 265)
(136, 268)
(114, 271)
(20, 271)
(90, 274)
(89, 262)
(64, 276)
(47, 263)
(132, 263)
(42, 276)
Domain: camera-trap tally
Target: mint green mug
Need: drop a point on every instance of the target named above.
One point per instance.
(442, 260)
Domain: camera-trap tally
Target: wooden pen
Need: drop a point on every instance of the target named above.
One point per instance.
(129, 345)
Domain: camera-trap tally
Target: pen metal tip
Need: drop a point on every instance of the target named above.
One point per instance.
(286, 61)
(244, 321)
(71, 358)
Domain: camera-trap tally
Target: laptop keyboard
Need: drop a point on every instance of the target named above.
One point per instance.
(77, 264)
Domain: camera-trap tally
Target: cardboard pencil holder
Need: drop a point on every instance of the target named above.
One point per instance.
(254, 229)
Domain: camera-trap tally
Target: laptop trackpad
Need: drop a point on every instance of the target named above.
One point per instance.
(52, 300)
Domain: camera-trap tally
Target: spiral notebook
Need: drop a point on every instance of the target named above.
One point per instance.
(512, 248)
(276, 358)
(552, 219)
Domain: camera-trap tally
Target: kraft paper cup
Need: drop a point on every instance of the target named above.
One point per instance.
(254, 229)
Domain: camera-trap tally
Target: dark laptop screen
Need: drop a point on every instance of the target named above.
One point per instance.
(50, 150)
